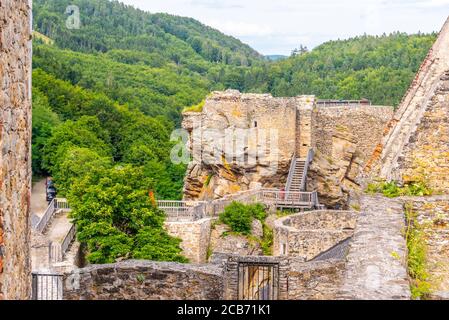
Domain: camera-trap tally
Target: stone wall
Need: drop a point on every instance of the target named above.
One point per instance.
(365, 123)
(145, 280)
(386, 159)
(15, 148)
(298, 280)
(307, 235)
(432, 214)
(256, 121)
(425, 157)
(195, 236)
(315, 280)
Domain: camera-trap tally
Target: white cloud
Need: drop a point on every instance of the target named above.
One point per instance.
(432, 3)
(277, 27)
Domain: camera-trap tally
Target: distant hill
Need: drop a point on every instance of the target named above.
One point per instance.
(107, 25)
(275, 57)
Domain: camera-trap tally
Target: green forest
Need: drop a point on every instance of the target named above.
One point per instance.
(107, 96)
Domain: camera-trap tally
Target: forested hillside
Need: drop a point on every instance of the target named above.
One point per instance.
(379, 68)
(107, 96)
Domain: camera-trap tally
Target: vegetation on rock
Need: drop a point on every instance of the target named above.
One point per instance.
(393, 189)
(239, 218)
(416, 258)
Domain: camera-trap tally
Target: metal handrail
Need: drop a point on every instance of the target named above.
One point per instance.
(291, 172)
(309, 160)
(48, 215)
(62, 204)
(191, 210)
(70, 236)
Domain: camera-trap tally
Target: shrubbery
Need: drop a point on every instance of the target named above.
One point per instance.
(239, 216)
(393, 190)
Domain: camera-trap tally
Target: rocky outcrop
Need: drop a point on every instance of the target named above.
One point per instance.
(15, 149)
(237, 143)
(336, 176)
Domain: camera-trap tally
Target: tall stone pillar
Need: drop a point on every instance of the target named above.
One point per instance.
(304, 125)
(15, 148)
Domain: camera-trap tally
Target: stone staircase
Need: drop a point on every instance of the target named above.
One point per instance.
(297, 176)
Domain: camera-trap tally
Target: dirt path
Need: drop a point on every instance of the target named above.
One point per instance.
(38, 202)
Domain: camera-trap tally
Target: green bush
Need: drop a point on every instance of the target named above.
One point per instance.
(239, 216)
(393, 190)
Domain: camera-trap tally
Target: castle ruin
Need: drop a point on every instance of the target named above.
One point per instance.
(319, 152)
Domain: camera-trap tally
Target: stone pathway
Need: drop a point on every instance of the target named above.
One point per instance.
(59, 227)
(376, 261)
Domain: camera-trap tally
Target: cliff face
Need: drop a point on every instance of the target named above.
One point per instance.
(15, 148)
(335, 176)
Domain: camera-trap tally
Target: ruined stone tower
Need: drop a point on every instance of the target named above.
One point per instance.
(416, 142)
(15, 148)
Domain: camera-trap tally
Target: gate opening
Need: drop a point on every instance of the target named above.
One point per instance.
(258, 281)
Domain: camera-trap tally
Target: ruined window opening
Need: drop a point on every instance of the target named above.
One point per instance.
(255, 124)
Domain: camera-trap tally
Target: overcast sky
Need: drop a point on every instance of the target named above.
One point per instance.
(278, 26)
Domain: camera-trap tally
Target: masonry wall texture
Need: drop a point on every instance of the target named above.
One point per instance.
(432, 214)
(426, 156)
(145, 280)
(413, 119)
(306, 235)
(15, 148)
(365, 123)
(315, 280)
(195, 236)
(376, 263)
